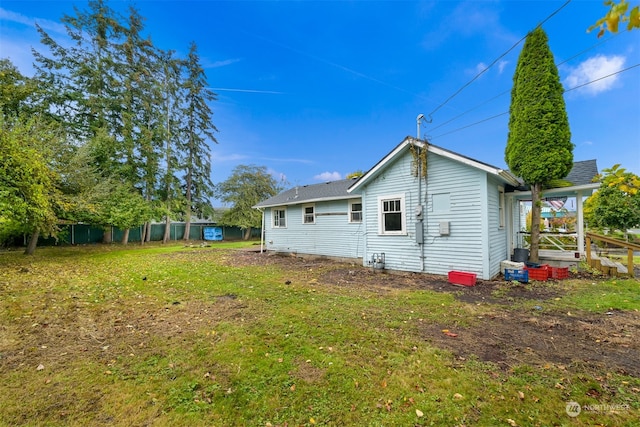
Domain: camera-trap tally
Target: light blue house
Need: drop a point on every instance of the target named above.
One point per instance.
(458, 216)
(320, 219)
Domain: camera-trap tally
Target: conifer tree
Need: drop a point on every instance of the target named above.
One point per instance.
(198, 130)
(539, 148)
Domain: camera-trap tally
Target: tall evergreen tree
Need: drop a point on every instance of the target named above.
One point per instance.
(83, 78)
(198, 131)
(539, 147)
(170, 185)
(104, 90)
(142, 119)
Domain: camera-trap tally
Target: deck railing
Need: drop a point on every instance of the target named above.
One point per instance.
(549, 240)
(631, 247)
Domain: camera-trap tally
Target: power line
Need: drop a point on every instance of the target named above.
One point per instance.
(507, 91)
(602, 78)
(507, 112)
(495, 61)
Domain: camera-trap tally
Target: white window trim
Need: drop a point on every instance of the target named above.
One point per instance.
(351, 202)
(273, 217)
(403, 215)
(304, 214)
(501, 208)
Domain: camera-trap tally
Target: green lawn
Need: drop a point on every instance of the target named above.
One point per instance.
(183, 336)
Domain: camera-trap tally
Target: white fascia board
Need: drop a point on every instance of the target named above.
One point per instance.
(306, 201)
(380, 165)
(560, 190)
(505, 175)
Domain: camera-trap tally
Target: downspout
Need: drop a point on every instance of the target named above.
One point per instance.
(262, 231)
(421, 216)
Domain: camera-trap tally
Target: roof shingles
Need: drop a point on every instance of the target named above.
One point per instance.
(310, 193)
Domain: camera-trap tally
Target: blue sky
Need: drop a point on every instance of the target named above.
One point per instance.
(315, 90)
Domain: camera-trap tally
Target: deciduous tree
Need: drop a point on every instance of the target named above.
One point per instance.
(616, 204)
(246, 187)
(618, 13)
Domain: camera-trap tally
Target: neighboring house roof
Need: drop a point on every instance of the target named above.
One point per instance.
(581, 177)
(582, 173)
(334, 190)
(374, 171)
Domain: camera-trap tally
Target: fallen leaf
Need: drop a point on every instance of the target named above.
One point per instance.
(312, 421)
(457, 396)
(521, 395)
(419, 413)
(451, 334)
(512, 423)
(40, 367)
(293, 387)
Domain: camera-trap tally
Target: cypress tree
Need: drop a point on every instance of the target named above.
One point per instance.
(539, 148)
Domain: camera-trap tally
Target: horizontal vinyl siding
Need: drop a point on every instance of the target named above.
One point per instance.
(462, 249)
(401, 252)
(331, 235)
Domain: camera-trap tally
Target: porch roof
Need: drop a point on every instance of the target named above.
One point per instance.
(581, 178)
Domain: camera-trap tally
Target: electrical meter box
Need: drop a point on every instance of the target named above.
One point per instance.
(444, 228)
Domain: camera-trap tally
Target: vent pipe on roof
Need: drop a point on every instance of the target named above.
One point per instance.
(418, 123)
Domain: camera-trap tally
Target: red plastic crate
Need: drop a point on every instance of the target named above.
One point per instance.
(541, 274)
(559, 273)
(462, 278)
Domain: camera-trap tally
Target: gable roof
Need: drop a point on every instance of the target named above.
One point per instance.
(333, 190)
(506, 176)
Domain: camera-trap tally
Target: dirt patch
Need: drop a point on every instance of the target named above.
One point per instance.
(608, 341)
(52, 338)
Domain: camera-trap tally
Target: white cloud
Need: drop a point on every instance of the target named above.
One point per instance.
(20, 55)
(281, 177)
(328, 176)
(286, 160)
(593, 69)
(218, 64)
(227, 157)
(46, 24)
(502, 65)
(481, 67)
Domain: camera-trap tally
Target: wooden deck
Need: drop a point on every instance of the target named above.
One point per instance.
(560, 258)
(568, 259)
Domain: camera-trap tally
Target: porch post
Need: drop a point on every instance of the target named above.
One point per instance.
(580, 222)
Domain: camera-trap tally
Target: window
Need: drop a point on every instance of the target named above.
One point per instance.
(501, 207)
(355, 211)
(309, 216)
(279, 218)
(391, 215)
